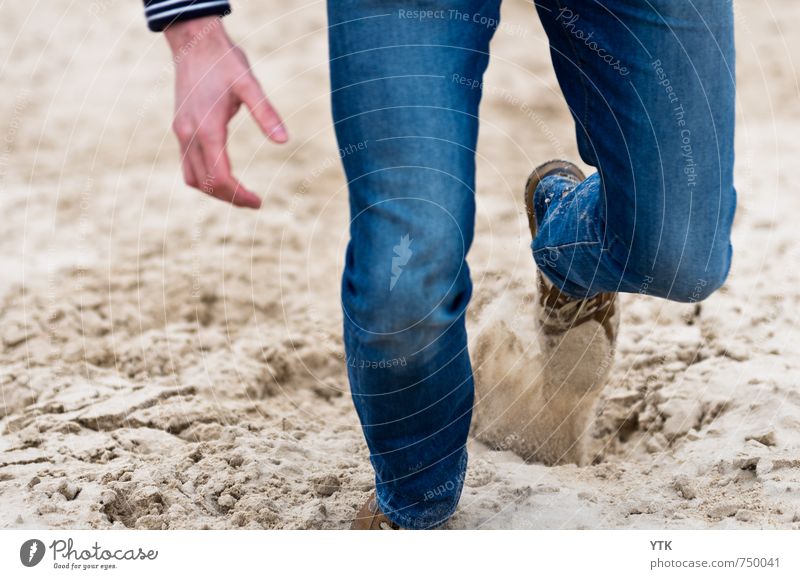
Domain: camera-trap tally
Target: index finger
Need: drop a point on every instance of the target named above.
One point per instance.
(251, 94)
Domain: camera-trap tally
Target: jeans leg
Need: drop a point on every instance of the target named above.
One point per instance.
(405, 82)
(651, 89)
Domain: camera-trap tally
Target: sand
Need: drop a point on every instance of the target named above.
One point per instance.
(169, 362)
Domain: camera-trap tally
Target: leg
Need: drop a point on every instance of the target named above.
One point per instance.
(405, 82)
(651, 88)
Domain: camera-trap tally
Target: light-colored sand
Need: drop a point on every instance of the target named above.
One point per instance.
(167, 362)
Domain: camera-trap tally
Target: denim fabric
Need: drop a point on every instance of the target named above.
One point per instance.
(651, 88)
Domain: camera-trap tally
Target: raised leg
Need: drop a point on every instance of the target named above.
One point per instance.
(651, 88)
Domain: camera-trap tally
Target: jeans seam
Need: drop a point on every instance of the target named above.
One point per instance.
(568, 245)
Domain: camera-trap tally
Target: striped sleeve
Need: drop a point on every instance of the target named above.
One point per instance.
(161, 13)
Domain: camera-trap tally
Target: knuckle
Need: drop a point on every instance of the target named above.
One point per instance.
(242, 83)
(183, 128)
(250, 91)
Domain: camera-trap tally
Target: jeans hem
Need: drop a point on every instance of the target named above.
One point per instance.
(560, 284)
(421, 523)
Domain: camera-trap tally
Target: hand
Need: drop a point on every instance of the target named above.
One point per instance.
(212, 80)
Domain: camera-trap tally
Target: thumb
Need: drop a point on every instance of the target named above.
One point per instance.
(250, 93)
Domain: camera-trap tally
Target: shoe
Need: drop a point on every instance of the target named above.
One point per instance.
(371, 518)
(558, 313)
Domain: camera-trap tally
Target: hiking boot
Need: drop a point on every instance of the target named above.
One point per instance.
(558, 313)
(371, 518)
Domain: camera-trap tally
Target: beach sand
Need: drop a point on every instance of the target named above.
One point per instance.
(167, 361)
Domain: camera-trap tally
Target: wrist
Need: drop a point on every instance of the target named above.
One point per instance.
(189, 33)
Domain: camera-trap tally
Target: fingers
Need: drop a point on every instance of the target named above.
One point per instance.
(222, 183)
(186, 166)
(249, 91)
(195, 157)
(206, 166)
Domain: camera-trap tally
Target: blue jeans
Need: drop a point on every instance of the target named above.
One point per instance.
(650, 86)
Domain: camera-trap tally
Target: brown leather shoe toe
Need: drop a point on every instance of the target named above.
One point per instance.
(371, 518)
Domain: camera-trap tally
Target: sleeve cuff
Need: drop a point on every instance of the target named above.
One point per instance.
(162, 13)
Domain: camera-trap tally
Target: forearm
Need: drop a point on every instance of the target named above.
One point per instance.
(162, 13)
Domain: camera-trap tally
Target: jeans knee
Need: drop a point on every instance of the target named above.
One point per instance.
(689, 278)
(697, 287)
(403, 305)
